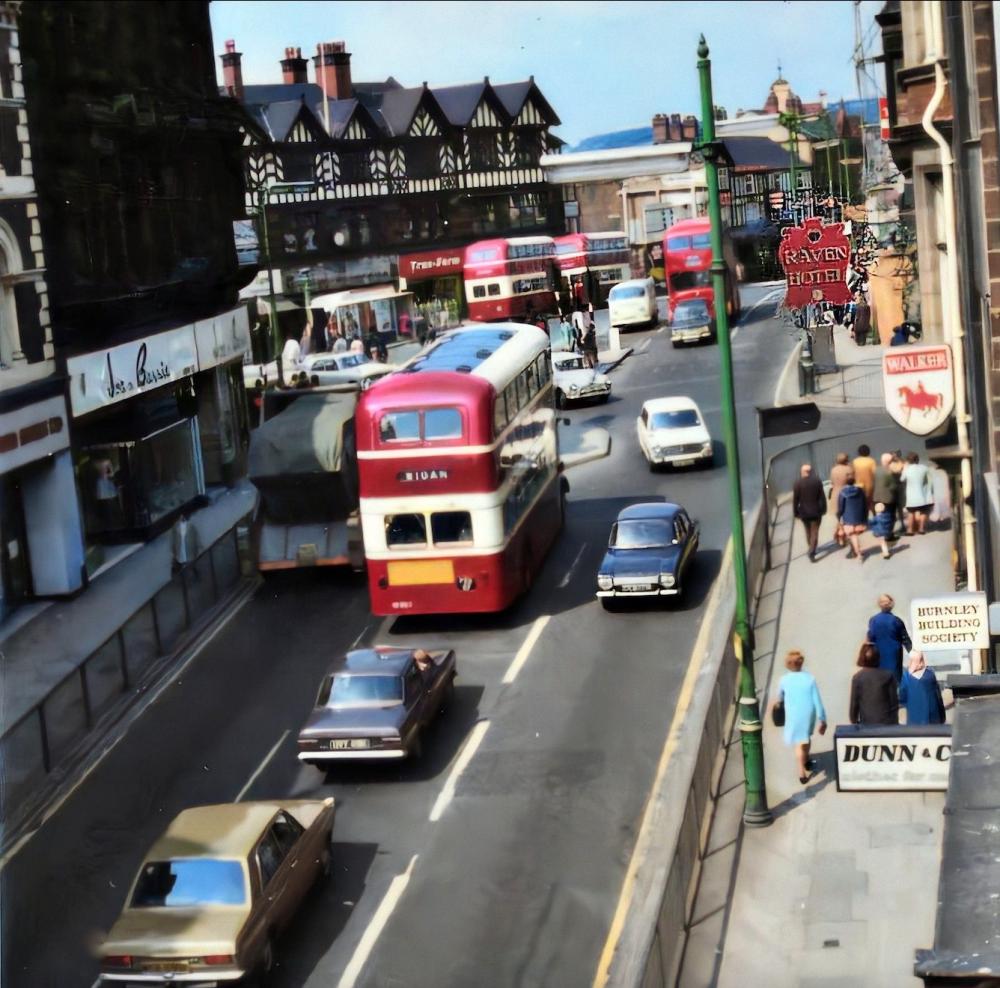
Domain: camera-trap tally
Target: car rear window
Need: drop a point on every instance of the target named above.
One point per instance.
(190, 882)
(442, 423)
(346, 690)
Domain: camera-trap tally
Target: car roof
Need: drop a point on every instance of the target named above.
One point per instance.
(671, 404)
(223, 830)
(382, 660)
(633, 281)
(649, 509)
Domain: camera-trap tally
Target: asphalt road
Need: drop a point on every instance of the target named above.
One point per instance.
(507, 873)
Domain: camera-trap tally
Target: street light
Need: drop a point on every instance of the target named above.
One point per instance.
(263, 193)
(755, 811)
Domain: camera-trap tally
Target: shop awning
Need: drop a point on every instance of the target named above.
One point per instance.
(354, 296)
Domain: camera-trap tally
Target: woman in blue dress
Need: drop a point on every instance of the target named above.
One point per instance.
(803, 711)
(920, 692)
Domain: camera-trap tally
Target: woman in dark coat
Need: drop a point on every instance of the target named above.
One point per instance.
(874, 699)
(920, 692)
(852, 514)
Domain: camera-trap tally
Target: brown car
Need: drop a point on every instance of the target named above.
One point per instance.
(378, 704)
(215, 890)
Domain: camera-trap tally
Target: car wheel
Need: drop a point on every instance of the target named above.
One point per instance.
(653, 467)
(560, 399)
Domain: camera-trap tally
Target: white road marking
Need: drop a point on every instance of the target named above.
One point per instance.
(645, 345)
(522, 653)
(662, 329)
(564, 582)
(261, 766)
(368, 939)
(151, 697)
(749, 312)
(447, 794)
(354, 644)
(792, 357)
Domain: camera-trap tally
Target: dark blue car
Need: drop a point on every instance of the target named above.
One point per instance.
(650, 552)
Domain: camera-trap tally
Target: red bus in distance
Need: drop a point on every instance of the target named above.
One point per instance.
(687, 262)
(458, 463)
(510, 278)
(595, 261)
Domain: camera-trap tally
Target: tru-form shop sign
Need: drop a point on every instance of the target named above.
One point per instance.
(815, 258)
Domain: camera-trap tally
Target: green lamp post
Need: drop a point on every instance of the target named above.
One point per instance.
(755, 810)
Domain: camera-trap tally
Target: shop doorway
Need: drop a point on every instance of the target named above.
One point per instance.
(15, 566)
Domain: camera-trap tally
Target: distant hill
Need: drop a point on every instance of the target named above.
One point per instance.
(617, 139)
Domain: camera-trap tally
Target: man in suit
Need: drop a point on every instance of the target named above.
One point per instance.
(809, 505)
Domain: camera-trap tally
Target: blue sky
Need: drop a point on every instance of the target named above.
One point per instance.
(603, 66)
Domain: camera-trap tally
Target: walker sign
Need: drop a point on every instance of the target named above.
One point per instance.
(919, 386)
(815, 258)
(951, 621)
(897, 758)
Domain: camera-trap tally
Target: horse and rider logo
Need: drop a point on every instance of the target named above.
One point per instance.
(919, 388)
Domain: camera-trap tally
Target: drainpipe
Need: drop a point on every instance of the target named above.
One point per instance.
(954, 333)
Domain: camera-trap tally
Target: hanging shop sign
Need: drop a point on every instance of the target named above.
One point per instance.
(950, 621)
(919, 386)
(815, 256)
(895, 758)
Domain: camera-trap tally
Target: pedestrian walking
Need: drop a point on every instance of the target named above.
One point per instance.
(799, 695)
(919, 494)
(885, 499)
(888, 633)
(852, 516)
(590, 345)
(862, 320)
(874, 698)
(920, 693)
(864, 472)
(809, 505)
(839, 473)
(564, 334)
(184, 542)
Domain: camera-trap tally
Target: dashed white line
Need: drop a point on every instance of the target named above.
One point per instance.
(361, 634)
(368, 939)
(260, 768)
(525, 650)
(447, 794)
(645, 345)
(564, 582)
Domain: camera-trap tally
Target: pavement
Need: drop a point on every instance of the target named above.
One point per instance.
(840, 889)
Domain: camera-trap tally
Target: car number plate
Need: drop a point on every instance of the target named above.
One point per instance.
(683, 463)
(346, 744)
(162, 967)
(637, 587)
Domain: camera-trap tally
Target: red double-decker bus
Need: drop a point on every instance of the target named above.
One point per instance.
(592, 263)
(458, 462)
(512, 278)
(687, 262)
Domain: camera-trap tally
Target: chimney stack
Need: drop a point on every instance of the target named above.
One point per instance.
(294, 67)
(676, 130)
(660, 129)
(232, 70)
(690, 128)
(333, 69)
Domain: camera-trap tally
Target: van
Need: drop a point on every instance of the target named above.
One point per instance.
(632, 304)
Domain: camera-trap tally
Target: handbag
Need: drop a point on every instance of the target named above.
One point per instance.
(778, 713)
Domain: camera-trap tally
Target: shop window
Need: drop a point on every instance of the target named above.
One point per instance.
(483, 151)
(298, 166)
(422, 158)
(403, 530)
(10, 146)
(451, 527)
(355, 167)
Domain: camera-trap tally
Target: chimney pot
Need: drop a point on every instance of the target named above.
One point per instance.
(294, 67)
(230, 45)
(232, 70)
(333, 69)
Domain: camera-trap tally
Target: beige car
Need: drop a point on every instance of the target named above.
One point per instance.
(215, 890)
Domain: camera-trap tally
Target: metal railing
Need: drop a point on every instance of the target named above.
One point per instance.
(45, 735)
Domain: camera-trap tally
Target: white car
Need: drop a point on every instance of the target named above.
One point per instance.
(672, 432)
(632, 304)
(319, 369)
(575, 381)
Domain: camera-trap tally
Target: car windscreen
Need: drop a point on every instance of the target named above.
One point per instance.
(347, 690)
(682, 418)
(690, 314)
(627, 291)
(190, 882)
(573, 363)
(642, 533)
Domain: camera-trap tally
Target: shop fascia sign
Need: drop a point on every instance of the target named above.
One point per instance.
(815, 258)
(430, 264)
(893, 758)
(108, 376)
(950, 621)
(919, 386)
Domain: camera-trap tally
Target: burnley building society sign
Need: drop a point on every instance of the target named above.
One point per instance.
(950, 621)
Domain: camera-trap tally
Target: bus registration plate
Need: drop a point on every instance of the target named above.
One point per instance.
(420, 572)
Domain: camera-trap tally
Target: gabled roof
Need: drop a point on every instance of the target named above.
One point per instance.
(458, 103)
(399, 106)
(281, 117)
(758, 152)
(513, 96)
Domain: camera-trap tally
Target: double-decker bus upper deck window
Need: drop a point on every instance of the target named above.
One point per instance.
(451, 527)
(442, 423)
(499, 414)
(399, 427)
(403, 530)
(494, 288)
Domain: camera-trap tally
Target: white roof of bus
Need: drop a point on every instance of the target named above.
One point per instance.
(530, 240)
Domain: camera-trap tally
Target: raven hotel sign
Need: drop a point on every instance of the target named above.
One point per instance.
(815, 258)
